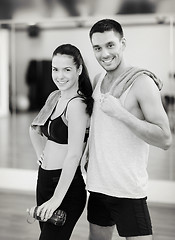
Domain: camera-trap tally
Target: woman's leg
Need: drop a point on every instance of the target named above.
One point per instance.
(73, 204)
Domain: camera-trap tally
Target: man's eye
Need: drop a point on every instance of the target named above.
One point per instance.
(97, 49)
(68, 69)
(110, 45)
(54, 69)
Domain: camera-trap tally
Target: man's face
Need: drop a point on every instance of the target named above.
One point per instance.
(108, 49)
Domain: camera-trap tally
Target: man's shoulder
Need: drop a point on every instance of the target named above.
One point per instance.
(97, 78)
(144, 80)
(144, 86)
(143, 74)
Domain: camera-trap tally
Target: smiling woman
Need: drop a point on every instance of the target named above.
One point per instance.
(64, 72)
(59, 134)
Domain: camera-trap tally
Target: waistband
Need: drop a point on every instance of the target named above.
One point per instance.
(55, 171)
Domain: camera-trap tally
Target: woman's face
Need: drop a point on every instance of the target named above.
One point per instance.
(64, 72)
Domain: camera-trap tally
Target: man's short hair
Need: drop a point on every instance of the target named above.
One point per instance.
(106, 25)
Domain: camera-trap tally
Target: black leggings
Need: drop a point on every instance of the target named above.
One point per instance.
(73, 203)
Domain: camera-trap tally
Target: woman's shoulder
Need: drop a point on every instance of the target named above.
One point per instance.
(76, 104)
(77, 101)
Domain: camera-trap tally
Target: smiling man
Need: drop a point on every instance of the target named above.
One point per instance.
(128, 116)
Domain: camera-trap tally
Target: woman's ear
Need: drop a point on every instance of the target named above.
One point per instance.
(80, 69)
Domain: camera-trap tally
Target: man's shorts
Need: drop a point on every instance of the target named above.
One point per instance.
(131, 216)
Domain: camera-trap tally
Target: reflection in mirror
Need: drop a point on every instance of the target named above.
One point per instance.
(31, 46)
(25, 82)
(4, 94)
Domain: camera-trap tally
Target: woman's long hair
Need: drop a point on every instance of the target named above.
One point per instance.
(84, 83)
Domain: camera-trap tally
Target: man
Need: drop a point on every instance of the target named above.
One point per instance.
(128, 116)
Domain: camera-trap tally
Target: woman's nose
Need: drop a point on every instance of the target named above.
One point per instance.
(60, 75)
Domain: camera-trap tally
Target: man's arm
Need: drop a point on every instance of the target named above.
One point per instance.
(154, 129)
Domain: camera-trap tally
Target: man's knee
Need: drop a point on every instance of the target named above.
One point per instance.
(100, 233)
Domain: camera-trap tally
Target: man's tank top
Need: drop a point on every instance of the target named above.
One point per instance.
(117, 157)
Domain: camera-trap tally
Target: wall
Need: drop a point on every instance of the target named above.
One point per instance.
(4, 72)
(43, 46)
(147, 46)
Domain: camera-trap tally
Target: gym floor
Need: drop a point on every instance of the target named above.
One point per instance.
(17, 153)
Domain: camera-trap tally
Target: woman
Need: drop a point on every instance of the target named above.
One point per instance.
(59, 135)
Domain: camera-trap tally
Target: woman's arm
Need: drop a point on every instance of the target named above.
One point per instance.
(77, 122)
(38, 141)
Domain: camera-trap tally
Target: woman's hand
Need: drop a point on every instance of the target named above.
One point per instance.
(40, 159)
(45, 211)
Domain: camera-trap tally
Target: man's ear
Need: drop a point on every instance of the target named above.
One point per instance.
(123, 41)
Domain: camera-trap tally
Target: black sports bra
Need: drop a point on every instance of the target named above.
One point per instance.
(57, 131)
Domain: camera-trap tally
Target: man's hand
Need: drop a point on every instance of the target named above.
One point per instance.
(112, 106)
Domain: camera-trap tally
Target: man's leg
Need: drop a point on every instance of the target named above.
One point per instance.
(100, 233)
(101, 225)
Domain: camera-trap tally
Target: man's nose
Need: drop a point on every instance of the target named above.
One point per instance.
(105, 53)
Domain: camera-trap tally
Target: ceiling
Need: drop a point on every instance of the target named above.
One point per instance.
(24, 9)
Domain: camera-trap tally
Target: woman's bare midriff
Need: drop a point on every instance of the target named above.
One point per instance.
(54, 155)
